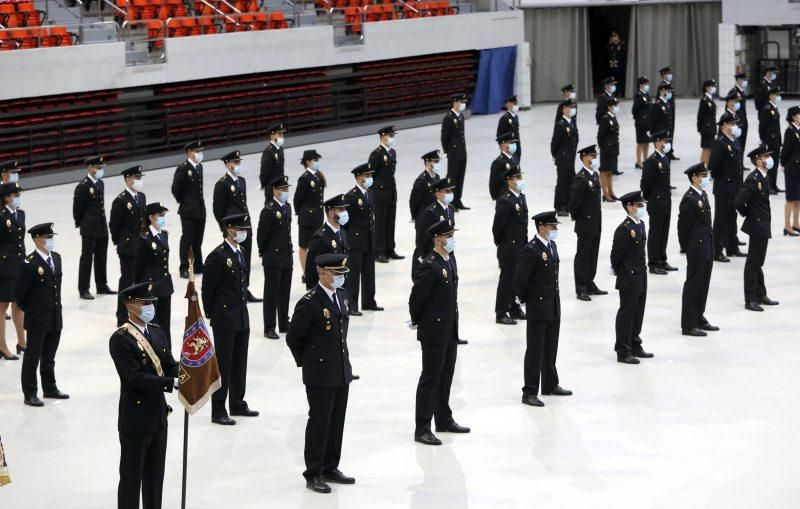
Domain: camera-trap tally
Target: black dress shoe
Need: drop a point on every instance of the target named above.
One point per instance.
(105, 291)
(627, 359)
(20, 349)
(225, 421)
(557, 391)
(773, 191)
(283, 329)
(253, 298)
(617, 172)
(8, 357)
(531, 400)
(373, 308)
(518, 315)
(356, 377)
(766, 301)
(753, 306)
(55, 394)
(505, 320)
(245, 412)
(673, 187)
(462, 342)
(33, 401)
(453, 427)
(668, 267)
(795, 228)
(722, 258)
(394, 256)
(381, 259)
(673, 157)
(337, 477)
(318, 485)
(584, 296)
(638, 166)
(271, 334)
(461, 206)
(597, 291)
(184, 274)
(738, 254)
(608, 200)
(694, 331)
(778, 189)
(707, 326)
(87, 296)
(427, 438)
(658, 270)
(790, 233)
(642, 354)
(562, 213)
(303, 279)
(356, 313)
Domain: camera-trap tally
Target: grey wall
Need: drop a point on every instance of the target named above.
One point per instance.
(760, 12)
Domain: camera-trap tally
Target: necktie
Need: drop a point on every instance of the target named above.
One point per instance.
(147, 335)
(162, 238)
(50, 263)
(239, 257)
(199, 169)
(14, 215)
(336, 303)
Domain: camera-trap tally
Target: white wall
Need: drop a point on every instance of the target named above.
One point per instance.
(35, 72)
(760, 12)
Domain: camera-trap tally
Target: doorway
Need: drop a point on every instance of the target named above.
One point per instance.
(602, 21)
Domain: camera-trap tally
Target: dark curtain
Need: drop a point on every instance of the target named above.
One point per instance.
(495, 79)
(560, 52)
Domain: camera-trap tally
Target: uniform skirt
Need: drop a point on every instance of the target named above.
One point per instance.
(641, 135)
(608, 163)
(304, 234)
(706, 140)
(7, 288)
(792, 188)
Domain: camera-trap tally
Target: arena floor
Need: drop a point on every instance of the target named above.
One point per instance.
(709, 422)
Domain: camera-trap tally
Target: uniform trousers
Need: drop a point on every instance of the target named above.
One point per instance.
(772, 175)
(192, 231)
(457, 169)
(247, 247)
(231, 347)
(540, 355)
(742, 140)
(164, 315)
(433, 389)
(92, 248)
(695, 293)
(506, 300)
(565, 176)
(385, 215)
(327, 407)
(361, 279)
(724, 224)
(40, 353)
(277, 287)
(125, 280)
(657, 238)
(141, 469)
(754, 288)
(629, 322)
(585, 264)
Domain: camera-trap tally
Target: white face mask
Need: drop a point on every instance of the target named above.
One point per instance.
(279, 142)
(137, 185)
(237, 170)
(646, 89)
(338, 280)
(641, 213)
(515, 108)
(736, 131)
(437, 168)
(50, 244)
(14, 177)
(615, 110)
(240, 236)
(712, 90)
(612, 89)
(573, 112)
(667, 147)
(344, 217)
(198, 157)
(462, 106)
(450, 245)
(552, 235)
(573, 95)
(391, 141)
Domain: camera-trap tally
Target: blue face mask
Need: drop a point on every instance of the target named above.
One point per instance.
(668, 96)
(773, 76)
(512, 148)
(736, 131)
(615, 110)
(667, 147)
(646, 89)
(778, 100)
(595, 164)
(612, 89)
(573, 112)
(737, 106)
(705, 183)
(368, 182)
(315, 165)
(237, 170)
(450, 245)
(50, 244)
(147, 313)
(391, 141)
(521, 186)
(448, 198)
(437, 168)
(161, 222)
(99, 174)
(284, 196)
(769, 163)
(552, 235)
(344, 217)
(338, 280)
(744, 84)
(641, 213)
(668, 77)
(14, 177)
(16, 202)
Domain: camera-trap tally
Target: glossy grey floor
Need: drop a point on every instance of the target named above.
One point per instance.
(707, 423)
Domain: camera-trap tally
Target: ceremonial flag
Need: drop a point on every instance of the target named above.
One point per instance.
(199, 372)
(5, 477)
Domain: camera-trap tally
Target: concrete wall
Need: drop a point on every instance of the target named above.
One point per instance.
(760, 12)
(48, 71)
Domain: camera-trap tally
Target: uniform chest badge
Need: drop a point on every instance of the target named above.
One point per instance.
(189, 173)
(346, 306)
(153, 245)
(130, 205)
(441, 218)
(276, 156)
(8, 223)
(385, 158)
(333, 244)
(759, 186)
(455, 121)
(633, 234)
(229, 263)
(729, 148)
(567, 130)
(516, 206)
(313, 184)
(663, 109)
(773, 113)
(233, 188)
(360, 202)
(40, 271)
(277, 214)
(611, 122)
(544, 256)
(325, 313)
(591, 184)
(444, 273)
(700, 203)
(660, 166)
(508, 166)
(510, 121)
(91, 190)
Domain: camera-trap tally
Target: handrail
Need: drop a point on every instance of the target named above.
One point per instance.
(405, 4)
(234, 9)
(121, 11)
(220, 12)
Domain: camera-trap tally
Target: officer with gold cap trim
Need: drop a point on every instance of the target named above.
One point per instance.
(510, 232)
(329, 238)
(272, 160)
(187, 188)
(383, 161)
(152, 263)
(509, 123)
(563, 146)
(9, 171)
(439, 210)
(421, 193)
(12, 252)
(507, 160)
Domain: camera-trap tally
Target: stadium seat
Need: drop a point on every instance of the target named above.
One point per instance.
(61, 37)
(352, 20)
(278, 21)
(8, 16)
(30, 17)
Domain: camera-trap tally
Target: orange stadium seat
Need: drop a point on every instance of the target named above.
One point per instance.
(277, 20)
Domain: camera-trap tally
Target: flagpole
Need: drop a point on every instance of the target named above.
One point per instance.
(190, 259)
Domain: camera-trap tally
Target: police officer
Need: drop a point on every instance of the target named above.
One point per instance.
(272, 159)
(666, 79)
(741, 111)
(662, 113)
(616, 55)
(609, 88)
(655, 186)
(38, 295)
(569, 94)
(752, 202)
(88, 211)
(563, 146)
(274, 241)
(440, 210)
(769, 130)
(455, 146)
(790, 159)
(152, 264)
(767, 83)
(360, 230)
(433, 306)
(307, 202)
(12, 253)
(628, 263)
(733, 104)
(383, 161)
(724, 166)
(584, 207)
(141, 354)
(608, 142)
(125, 224)
(317, 338)
(329, 238)
(9, 172)
(230, 197)
(641, 111)
(421, 194)
(187, 188)
(504, 162)
(510, 232)
(697, 243)
(537, 285)
(706, 119)
(224, 293)
(509, 123)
